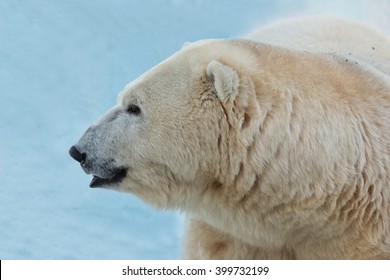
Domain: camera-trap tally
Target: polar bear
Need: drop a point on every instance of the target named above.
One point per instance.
(276, 146)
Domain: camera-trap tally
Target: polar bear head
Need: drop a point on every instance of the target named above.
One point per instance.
(176, 129)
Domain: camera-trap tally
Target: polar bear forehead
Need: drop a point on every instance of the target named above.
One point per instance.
(181, 69)
(159, 79)
(192, 58)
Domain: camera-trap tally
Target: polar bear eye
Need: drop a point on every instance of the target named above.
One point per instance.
(133, 109)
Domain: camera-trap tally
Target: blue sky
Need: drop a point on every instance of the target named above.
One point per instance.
(62, 64)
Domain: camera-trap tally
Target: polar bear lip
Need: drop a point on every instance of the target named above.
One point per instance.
(101, 182)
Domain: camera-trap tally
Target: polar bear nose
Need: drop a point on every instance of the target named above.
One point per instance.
(75, 154)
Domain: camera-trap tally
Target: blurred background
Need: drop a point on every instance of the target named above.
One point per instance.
(62, 64)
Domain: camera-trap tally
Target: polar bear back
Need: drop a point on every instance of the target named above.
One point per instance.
(329, 35)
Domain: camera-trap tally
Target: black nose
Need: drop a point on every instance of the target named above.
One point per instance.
(74, 153)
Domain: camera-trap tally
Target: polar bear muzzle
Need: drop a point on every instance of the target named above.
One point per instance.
(110, 176)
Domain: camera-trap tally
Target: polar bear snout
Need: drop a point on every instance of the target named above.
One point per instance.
(105, 172)
(79, 155)
(76, 155)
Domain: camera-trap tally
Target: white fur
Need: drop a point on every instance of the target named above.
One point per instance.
(275, 150)
(225, 80)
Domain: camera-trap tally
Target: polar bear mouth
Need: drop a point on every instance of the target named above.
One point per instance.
(115, 179)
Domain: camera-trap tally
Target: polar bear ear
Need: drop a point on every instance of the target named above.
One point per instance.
(224, 79)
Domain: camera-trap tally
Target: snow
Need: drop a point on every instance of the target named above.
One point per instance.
(62, 64)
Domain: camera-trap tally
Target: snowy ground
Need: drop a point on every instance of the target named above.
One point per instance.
(62, 64)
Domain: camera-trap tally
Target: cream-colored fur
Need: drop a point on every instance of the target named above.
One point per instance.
(275, 150)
